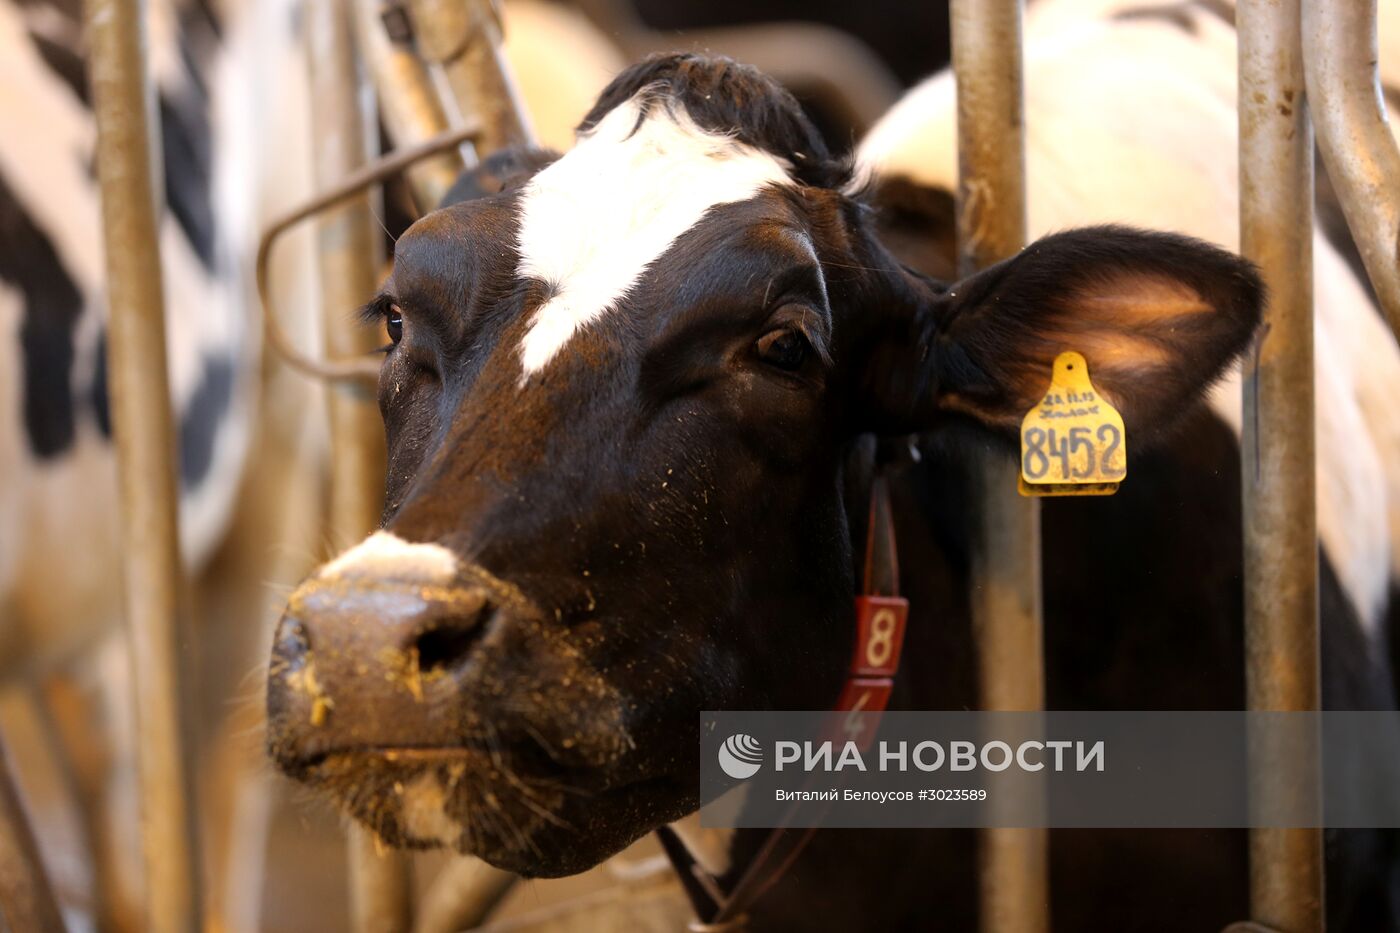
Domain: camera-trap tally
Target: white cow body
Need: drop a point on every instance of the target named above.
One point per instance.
(1133, 120)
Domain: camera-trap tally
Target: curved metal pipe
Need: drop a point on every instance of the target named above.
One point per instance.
(1341, 56)
(353, 369)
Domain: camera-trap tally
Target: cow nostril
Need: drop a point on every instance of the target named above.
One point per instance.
(292, 644)
(446, 646)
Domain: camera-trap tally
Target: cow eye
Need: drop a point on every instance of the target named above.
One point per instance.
(784, 348)
(393, 323)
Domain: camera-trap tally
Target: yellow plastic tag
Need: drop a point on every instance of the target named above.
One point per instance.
(1072, 443)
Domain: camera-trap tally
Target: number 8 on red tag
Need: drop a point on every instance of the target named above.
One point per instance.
(879, 635)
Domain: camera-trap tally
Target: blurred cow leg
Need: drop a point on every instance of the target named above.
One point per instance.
(81, 741)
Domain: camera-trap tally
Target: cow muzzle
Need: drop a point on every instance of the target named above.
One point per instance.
(371, 655)
(438, 705)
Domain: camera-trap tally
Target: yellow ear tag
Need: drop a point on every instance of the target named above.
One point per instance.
(1072, 443)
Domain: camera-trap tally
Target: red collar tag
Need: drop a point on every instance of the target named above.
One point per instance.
(881, 615)
(879, 638)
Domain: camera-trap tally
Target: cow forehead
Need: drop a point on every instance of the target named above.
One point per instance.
(593, 221)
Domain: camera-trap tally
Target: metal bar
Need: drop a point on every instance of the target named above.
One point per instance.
(381, 885)
(26, 898)
(1278, 465)
(145, 436)
(357, 368)
(463, 896)
(408, 104)
(348, 261)
(1006, 601)
(463, 38)
(1343, 82)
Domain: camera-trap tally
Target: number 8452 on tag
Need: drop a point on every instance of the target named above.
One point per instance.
(1072, 442)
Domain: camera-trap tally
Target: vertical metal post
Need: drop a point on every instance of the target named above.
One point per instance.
(380, 879)
(1279, 485)
(463, 896)
(463, 38)
(1006, 603)
(381, 885)
(145, 435)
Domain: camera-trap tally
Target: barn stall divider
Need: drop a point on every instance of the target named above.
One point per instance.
(349, 257)
(143, 427)
(1014, 887)
(1290, 51)
(1278, 459)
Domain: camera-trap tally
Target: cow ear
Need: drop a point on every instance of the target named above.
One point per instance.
(1158, 317)
(505, 170)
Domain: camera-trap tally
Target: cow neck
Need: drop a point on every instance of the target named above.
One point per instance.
(880, 615)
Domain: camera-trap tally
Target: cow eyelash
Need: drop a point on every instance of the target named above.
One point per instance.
(384, 308)
(806, 325)
(377, 309)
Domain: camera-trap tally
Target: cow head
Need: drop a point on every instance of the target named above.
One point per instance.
(618, 397)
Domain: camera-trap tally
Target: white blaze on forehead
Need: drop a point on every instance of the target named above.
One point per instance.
(387, 556)
(594, 220)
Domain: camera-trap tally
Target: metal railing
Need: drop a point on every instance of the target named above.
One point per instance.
(1279, 483)
(1278, 462)
(344, 45)
(463, 39)
(348, 260)
(1006, 598)
(145, 439)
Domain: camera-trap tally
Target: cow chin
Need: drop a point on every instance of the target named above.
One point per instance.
(487, 804)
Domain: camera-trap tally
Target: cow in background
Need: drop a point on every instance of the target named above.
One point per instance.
(232, 150)
(1130, 117)
(59, 498)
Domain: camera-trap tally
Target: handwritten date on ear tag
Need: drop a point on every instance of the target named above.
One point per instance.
(1072, 443)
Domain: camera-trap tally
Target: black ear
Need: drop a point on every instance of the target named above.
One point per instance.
(501, 171)
(1157, 316)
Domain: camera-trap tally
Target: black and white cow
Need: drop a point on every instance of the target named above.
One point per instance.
(624, 398)
(58, 504)
(231, 103)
